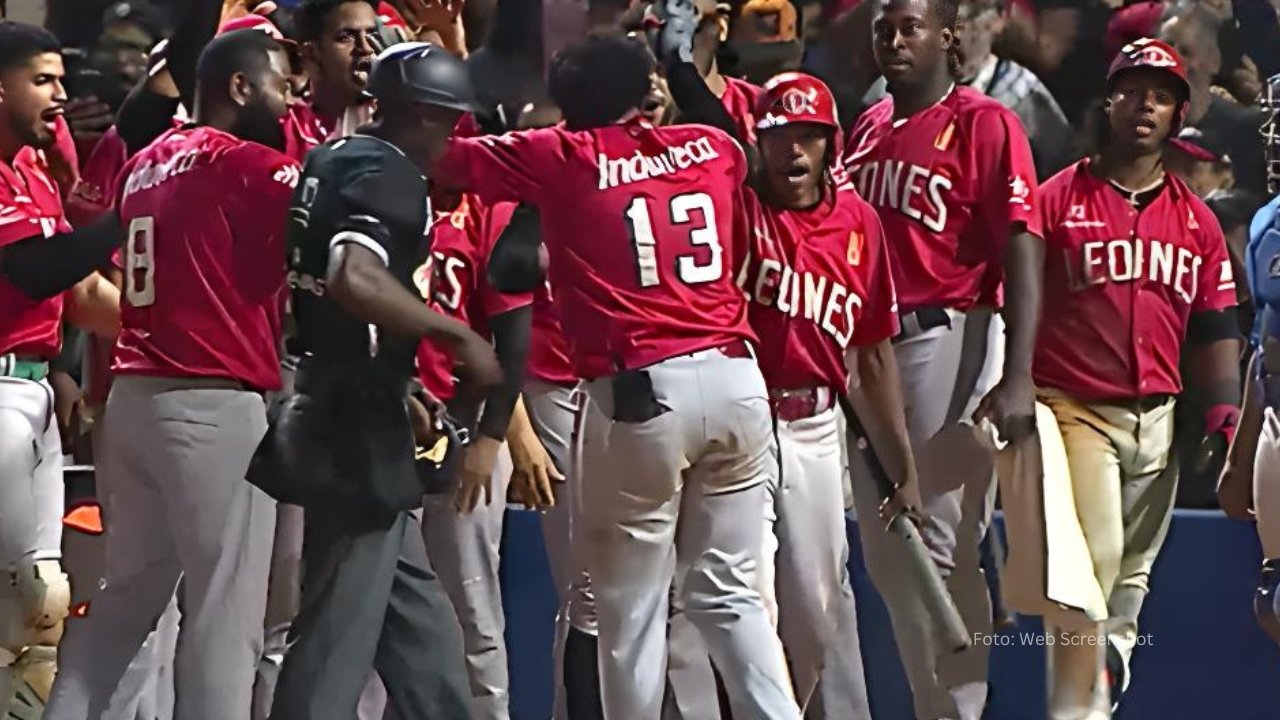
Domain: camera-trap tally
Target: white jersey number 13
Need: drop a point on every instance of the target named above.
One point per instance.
(646, 245)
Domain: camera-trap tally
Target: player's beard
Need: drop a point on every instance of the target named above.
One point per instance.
(258, 123)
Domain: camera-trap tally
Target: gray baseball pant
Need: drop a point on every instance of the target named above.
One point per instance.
(702, 464)
(817, 617)
(464, 550)
(175, 456)
(957, 485)
(554, 411)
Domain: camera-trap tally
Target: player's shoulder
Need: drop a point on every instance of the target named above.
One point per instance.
(851, 202)
(692, 138)
(743, 87)
(1267, 218)
(979, 111)
(351, 157)
(1065, 179)
(879, 113)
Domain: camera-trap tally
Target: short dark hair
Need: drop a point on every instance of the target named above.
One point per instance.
(947, 12)
(19, 42)
(240, 51)
(599, 79)
(310, 16)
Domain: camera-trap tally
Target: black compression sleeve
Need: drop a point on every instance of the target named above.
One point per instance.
(1213, 325)
(517, 29)
(42, 267)
(195, 30)
(699, 105)
(696, 101)
(143, 117)
(514, 265)
(511, 331)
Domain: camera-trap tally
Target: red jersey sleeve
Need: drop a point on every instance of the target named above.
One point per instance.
(517, 166)
(1004, 161)
(493, 220)
(1217, 280)
(15, 222)
(879, 319)
(256, 195)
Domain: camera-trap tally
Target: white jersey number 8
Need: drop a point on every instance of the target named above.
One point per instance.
(139, 262)
(687, 266)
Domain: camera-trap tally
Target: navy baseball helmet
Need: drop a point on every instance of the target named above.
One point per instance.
(422, 73)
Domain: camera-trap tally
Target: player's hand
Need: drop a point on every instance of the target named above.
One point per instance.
(67, 399)
(1011, 408)
(478, 359)
(533, 472)
(89, 118)
(905, 500)
(475, 478)
(64, 165)
(425, 419)
(422, 15)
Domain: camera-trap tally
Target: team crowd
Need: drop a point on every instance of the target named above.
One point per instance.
(297, 297)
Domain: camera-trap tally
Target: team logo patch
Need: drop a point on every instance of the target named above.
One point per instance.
(797, 102)
(1145, 53)
(1019, 192)
(854, 253)
(1192, 223)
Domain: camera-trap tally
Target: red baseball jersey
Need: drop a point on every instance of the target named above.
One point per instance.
(204, 258)
(1120, 284)
(639, 224)
(549, 358)
(949, 183)
(96, 191)
(819, 281)
(455, 281)
(304, 129)
(30, 205)
(740, 99)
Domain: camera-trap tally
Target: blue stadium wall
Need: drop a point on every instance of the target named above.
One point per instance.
(1207, 659)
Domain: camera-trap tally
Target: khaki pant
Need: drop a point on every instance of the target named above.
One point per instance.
(1124, 481)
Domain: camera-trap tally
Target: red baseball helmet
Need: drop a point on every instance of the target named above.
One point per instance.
(794, 97)
(1150, 53)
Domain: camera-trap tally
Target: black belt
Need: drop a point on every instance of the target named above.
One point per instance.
(922, 320)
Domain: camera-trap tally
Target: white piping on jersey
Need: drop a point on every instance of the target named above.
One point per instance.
(903, 121)
(356, 238)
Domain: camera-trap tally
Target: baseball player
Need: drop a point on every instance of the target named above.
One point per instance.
(190, 363)
(1250, 483)
(821, 289)
(1135, 264)
(463, 530)
(40, 260)
(637, 219)
(951, 174)
(344, 444)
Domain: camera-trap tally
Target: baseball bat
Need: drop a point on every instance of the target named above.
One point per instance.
(937, 599)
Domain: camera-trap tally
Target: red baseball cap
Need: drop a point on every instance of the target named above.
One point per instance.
(1150, 53)
(252, 22)
(1132, 22)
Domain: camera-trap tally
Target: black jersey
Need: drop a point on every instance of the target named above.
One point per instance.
(359, 190)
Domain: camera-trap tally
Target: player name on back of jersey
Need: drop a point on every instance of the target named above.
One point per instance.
(150, 174)
(826, 303)
(912, 190)
(1134, 259)
(615, 172)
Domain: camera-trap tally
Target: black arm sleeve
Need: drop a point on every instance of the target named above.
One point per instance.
(517, 29)
(42, 267)
(143, 117)
(701, 106)
(198, 25)
(1213, 325)
(513, 265)
(511, 331)
(696, 101)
